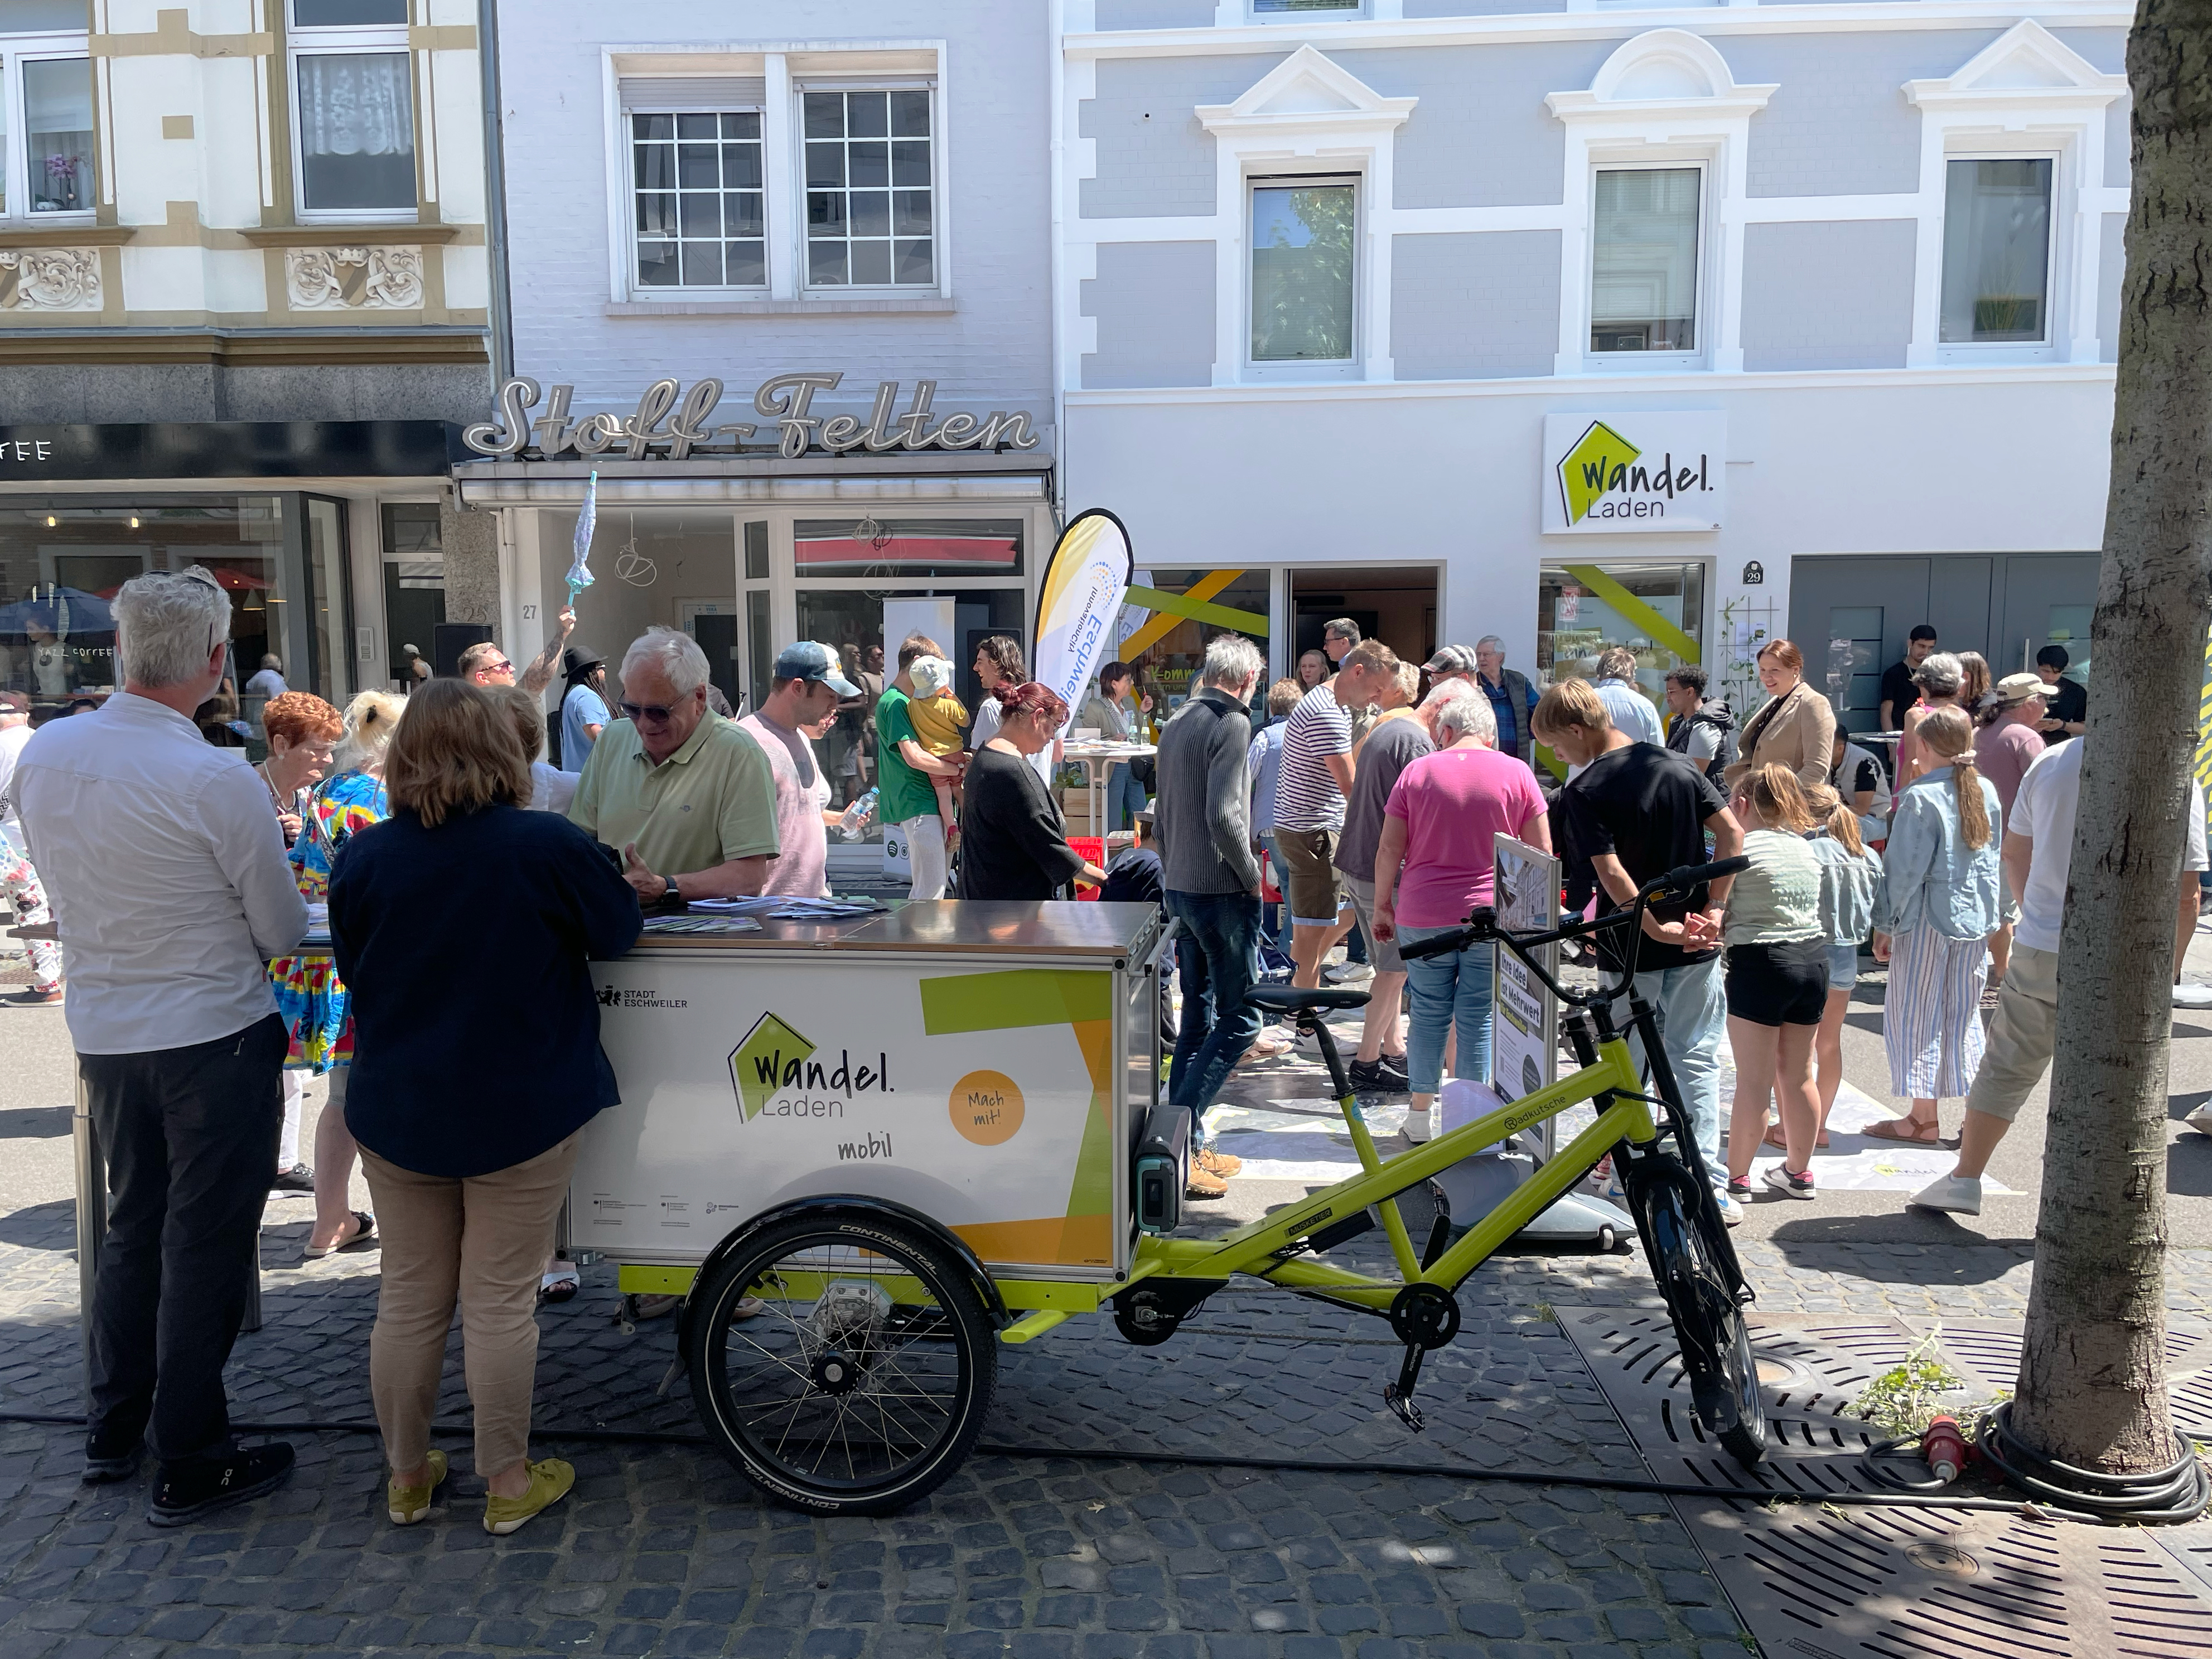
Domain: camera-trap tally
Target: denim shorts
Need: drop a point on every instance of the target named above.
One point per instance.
(1843, 966)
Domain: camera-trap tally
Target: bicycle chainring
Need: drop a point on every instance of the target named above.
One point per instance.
(1425, 1315)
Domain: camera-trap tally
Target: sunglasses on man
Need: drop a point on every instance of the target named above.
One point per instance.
(646, 713)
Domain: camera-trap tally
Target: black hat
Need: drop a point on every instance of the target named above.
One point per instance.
(577, 659)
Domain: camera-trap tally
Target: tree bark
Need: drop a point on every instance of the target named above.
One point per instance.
(2093, 1372)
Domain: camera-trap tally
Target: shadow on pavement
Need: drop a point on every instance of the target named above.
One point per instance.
(42, 1226)
(1973, 1259)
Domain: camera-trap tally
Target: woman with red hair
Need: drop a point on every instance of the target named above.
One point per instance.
(1013, 842)
(1796, 728)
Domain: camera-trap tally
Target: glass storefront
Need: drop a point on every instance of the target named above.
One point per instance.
(1655, 609)
(1172, 614)
(414, 586)
(61, 560)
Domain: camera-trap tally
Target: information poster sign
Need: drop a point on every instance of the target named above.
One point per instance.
(1524, 1043)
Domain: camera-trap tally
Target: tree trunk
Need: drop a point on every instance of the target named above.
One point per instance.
(2092, 1373)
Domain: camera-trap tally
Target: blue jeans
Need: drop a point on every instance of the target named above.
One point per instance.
(1692, 1003)
(1215, 959)
(1125, 797)
(1449, 990)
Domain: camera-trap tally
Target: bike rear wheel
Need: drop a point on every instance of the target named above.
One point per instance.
(845, 1365)
(1709, 1322)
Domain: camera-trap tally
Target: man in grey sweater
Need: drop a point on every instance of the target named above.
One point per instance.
(1203, 822)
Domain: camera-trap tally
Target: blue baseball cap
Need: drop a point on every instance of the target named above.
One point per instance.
(810, 659)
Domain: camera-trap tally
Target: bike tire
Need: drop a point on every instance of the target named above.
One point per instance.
(806, 1374)
(1710, 1330)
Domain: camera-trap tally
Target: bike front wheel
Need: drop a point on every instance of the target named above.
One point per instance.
(1709, 1323)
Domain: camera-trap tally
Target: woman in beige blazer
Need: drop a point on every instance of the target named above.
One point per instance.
(1796, 728)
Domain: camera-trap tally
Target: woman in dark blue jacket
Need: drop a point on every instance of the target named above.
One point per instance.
(465, 925)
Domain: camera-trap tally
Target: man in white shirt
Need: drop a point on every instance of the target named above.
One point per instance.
(168, 879)
(1616, 689)
(269, 680)
(2038, 850)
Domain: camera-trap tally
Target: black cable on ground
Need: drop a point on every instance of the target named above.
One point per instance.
(1200, 1460)
(2178, 1493)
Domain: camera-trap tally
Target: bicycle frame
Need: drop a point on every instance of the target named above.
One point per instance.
(1258, 1248)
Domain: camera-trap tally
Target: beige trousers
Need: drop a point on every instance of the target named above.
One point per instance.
(481, 1241)
(2022, 1036)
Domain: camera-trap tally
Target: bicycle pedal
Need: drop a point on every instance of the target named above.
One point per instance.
(1402, 1404)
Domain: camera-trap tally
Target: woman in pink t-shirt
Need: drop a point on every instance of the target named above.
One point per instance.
(1432, 866)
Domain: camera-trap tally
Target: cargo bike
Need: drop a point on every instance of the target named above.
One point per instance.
(841, 1336)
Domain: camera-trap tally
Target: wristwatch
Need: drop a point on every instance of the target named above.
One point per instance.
(673, 893)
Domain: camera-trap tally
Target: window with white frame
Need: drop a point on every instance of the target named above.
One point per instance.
(47, 99)
(1643, 259)
(1304, 269)
(871, 186)
(353, 94)
(1997, 250)
(698, 193)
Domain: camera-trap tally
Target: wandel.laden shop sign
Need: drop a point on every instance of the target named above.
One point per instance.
(676, 423)
(1608, 474)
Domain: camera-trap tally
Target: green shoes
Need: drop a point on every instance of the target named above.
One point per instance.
(550, 1481)
(409, 1505)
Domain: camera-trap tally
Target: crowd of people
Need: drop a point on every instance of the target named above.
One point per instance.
(1366, 789)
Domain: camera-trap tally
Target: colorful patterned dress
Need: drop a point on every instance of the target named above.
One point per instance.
(309, 994)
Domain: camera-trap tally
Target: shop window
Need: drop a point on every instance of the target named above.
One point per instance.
(1643, 259)
(1997, 250)
(871, 188)
(353, 84)
(869, 546)
(1267, 9)
(1170, 617)
(701, 213)
(1303, 262)
(1656, 610)
(414, 585)
(329, 673)
(62, 562)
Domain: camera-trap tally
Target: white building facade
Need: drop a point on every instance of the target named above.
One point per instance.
(1686, 328)
(783, 284)
(244, 303)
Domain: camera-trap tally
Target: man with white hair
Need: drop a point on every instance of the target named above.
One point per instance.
(1512, 699)
(689, 799)
(1212, 878)
(169, 882)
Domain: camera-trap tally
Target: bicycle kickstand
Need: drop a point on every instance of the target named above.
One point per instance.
(1398, 1396)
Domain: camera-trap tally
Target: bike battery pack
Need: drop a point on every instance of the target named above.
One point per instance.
(1161, 1167)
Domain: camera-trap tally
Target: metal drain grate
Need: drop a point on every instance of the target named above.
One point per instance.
(1812, 1583)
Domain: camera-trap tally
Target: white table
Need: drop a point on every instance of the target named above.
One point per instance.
(1094, 757)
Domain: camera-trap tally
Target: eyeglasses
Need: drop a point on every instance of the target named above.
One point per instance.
(646, 714)
(502, 666)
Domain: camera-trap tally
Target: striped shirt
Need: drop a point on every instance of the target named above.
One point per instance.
(1306, 795)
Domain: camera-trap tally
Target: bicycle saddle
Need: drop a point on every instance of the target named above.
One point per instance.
(1294, 998)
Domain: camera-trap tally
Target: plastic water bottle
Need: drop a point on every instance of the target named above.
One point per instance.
(854, 822)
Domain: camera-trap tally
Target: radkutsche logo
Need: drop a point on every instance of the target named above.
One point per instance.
(1603, 465)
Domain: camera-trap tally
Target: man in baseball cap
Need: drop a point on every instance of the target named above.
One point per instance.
(804, 688)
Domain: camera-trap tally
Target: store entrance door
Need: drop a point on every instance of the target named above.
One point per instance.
(1396, 605)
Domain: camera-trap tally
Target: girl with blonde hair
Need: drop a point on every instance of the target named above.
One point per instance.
(1849, 871)
(1777, 980)
(1937, 902)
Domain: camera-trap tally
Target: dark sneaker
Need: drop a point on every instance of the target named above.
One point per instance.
(1394, 1065)
(1739, 1188)
(1799, 1185)
(1371, 1077)
(297, 1179)
(184, 1492)
(102, 1471)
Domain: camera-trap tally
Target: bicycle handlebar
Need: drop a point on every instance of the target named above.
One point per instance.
(1482, 924)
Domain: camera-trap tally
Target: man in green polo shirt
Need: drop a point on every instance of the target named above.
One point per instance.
(686, 795)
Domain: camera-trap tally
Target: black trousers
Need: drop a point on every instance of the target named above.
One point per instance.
(190, 1136)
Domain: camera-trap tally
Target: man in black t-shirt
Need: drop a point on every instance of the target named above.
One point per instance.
(1898, 691)
(2068, 707)
(1634, 811)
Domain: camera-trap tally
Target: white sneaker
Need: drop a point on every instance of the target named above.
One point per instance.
(2189, 995)
(1958, 1194)
(2200, 1120)
(1731, 1211)
(1420, 1125)
(1348, 973)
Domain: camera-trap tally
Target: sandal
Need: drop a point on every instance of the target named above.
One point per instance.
(1905, 1129)
(561, 1285)
(364, 1238)
(1773, 1138)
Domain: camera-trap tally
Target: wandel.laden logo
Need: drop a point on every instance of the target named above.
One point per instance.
(1603, 463)
(775, 1059)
